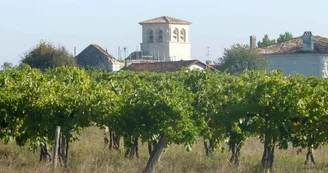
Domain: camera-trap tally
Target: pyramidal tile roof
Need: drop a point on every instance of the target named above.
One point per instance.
(165, 19)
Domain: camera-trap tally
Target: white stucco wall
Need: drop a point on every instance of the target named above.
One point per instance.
(196, 67)
(115, 66)
(156, 49)
(179, 51)
(324, 66)
(180, 27)
(306, 64)
(168, 49)
(155, 27)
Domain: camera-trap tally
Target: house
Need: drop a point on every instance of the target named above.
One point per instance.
(165, 39)
(167, 66)
(307, 54)
(97, 57)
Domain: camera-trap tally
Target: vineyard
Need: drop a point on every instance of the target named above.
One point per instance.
(164, 110)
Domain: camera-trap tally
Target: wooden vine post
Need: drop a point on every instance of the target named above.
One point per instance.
(55, 154)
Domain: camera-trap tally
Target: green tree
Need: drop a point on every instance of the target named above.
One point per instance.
(218, 102)
(270, 111)
(6, 65)
(155, 107)
(266, 41)
(46, 55)
(308, 121)
(240, 58)
(285, 37)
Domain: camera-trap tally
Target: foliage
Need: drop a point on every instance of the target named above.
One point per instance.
(6, 65)
(180, 106)
(285, 37)
(46, 55)
(266, 41)
(239, 58)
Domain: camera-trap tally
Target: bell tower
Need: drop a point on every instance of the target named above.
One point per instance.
(165, 39)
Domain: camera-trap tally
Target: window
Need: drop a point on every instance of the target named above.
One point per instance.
(175, 35)
(160, 36)
(183, 35)
(150, 36)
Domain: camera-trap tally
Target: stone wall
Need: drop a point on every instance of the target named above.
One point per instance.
(92, 57)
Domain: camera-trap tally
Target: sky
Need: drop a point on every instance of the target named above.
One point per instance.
(216, 24)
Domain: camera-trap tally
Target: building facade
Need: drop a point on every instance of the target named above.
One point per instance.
(96, 57)
(307, 55)
(165, 39)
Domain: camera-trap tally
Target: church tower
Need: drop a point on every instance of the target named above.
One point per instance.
(166, 39)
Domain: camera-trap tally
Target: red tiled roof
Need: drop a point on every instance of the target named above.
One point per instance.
(295, 46)
(165, 19)
(162, 67)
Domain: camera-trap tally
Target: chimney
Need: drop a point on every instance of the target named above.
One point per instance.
(308, 44)
(252, 41)
(74, 51)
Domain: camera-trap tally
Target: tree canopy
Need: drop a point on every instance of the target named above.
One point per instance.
(266, 41)
(285, 37)
(6, 65)
(167, 108)
(240, 58)
(46, 55)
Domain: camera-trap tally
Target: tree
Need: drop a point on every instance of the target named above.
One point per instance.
(45, 55)
(154, 107)
(6, 65)
(240, 58)
(282, 38)
(218, 102)
(266, 41)
(269, 108)
(285, 37)
(308, 121)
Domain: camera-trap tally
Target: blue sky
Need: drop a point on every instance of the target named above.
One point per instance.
(108, 23)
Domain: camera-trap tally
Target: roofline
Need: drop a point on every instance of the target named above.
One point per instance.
(285, 42)
(294, 38)
(193, 62)
(189, 23)
(101, 50)
(206, 66)
(167, 21)
(296, 53)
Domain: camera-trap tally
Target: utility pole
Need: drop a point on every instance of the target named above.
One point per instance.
(119, 53)
(208, 53)
(125, 49)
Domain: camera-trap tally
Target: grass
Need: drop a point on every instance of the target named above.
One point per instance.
(88, 155)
